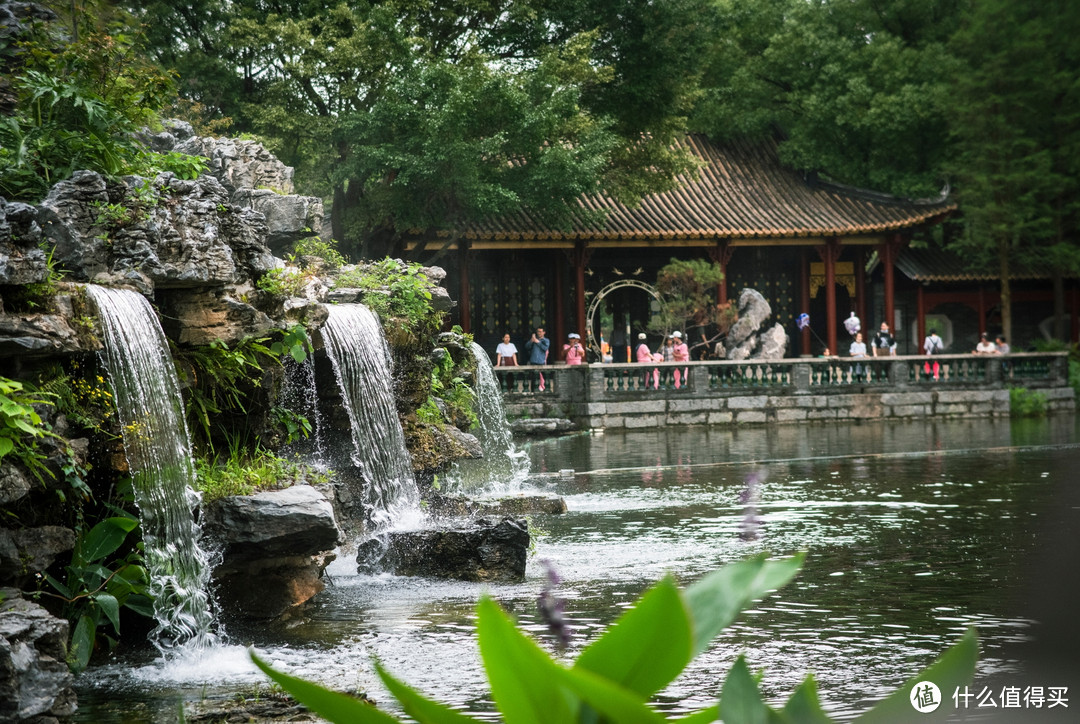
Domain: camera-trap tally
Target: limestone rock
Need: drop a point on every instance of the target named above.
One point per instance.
(21, 261)
(294, 521)
(38, 334)
(773, 343)
(26, 551)
(754, 309)
(541, 426)
(199, 317)
(240, 164)
(34, 676)
(14, 484)
(288, 218)
(486, 549)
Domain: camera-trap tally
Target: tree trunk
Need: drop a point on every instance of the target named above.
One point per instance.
(1006, 291)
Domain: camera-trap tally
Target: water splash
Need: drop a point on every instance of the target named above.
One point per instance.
(360, 356)
(300, 397)
(158, 449)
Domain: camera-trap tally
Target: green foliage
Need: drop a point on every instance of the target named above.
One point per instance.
(1026, 403)
(99, 585)
(285, 281)
(325, 250)
(399, 293)
(21, 427)
(453, 390)
(244, 473)
(219, 377)
(689, 291)
(641, 653)
(80, 105)
(294, 342)
(83, 394)
(295, 426)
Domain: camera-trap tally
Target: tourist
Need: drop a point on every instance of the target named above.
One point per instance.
(883, 344)
(858, 351)
(605, 350)
(985, 346)
(668, 352)
(506, 353)
(573, 352)
(682, 354)
(933, 345)
(644, 354)
(537, 347)
(1002, 349)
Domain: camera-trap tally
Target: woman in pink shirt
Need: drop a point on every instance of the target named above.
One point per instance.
(572, 350)
(644, 354)
(681, 353)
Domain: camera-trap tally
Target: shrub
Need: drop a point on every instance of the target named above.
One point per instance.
(399, 293)
(245, 473)
(21, 427)
(325, 250)
(640, 654)
(286, 281)
(1026, 403)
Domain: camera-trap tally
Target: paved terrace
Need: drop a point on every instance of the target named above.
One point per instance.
(783, 391)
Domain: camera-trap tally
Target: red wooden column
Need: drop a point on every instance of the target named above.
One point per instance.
(464, 256)
(579, 257)
(560, 313)
(830, 252)
(982, 311)
(721, 254)
(920, 311)
(888, 262)
(860, 292)
(805, 299)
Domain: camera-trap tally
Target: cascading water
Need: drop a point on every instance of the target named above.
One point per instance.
(504, 467)
(358, 351)
(151, 412)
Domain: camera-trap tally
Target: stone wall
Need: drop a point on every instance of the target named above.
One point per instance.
(593, 396)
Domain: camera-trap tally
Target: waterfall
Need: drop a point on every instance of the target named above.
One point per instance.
(503, 466)
(151, 412)
(358, 351)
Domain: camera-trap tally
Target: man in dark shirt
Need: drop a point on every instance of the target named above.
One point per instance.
(883, 344)
(537, 347)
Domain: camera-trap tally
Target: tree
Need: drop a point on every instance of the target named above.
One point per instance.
(1016, 110)
(851, 88)
(689, 291)
(421, 114)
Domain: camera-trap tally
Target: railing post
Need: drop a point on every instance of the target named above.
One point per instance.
(993, 371)
(800, 377)
(597, 384)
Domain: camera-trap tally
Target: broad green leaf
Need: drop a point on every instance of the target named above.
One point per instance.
(648, 646)
(418, 706)
(331, 705)
(140, 604)
(804, 707)
(524, 680)
(717, 599)
(60, 587)
(953, 669)
(105, 537)
(740, 700)
(705, 716)
(6, 446)
(613, 702)
(110, 607)
(82, 643)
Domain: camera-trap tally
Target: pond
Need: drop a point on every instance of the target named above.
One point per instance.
(915, 532)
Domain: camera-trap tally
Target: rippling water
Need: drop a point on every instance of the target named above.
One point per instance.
(915, 532)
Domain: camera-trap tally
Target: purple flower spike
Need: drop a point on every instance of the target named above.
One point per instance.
(552, 610)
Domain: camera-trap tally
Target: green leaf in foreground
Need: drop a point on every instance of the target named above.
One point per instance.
(956, 667)
(648, 646)
(740, 700)
(418, 706)
(717, 599)
(332, 705)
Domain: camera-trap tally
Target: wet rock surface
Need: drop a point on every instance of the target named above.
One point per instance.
(485, 549)
(34, 676)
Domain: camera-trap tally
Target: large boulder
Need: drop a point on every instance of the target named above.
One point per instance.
(240, 164)
(754, 309)
(485, 549)
(21, 261)
(289, 218)
(166, 231)
(773, 343)
(275, 546)
(200, 317)
(26, 551)
(34, 676)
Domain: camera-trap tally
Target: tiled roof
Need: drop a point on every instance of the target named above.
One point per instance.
(741, 192)
(937, 265)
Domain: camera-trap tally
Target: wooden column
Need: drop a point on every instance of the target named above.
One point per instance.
(556, 352)
(464, 256)
(579, 257)
(830, 252)
(805, 300)
(920, 311)
(981, 310)
(721, 254)
(888, 263)
(860, 293)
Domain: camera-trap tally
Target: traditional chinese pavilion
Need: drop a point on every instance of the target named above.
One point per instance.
(796, 239)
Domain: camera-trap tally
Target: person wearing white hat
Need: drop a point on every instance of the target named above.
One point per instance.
(681, 353)
(644, 354)
(572, 350)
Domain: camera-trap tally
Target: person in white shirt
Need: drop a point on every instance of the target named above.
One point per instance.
(506, 353)
(985, 346)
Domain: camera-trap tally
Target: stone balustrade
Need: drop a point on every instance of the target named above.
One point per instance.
(786, 390)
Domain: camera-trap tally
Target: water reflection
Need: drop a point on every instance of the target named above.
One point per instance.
(915, 533)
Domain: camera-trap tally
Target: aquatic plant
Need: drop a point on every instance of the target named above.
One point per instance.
(1026, 403)
(614, 677)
